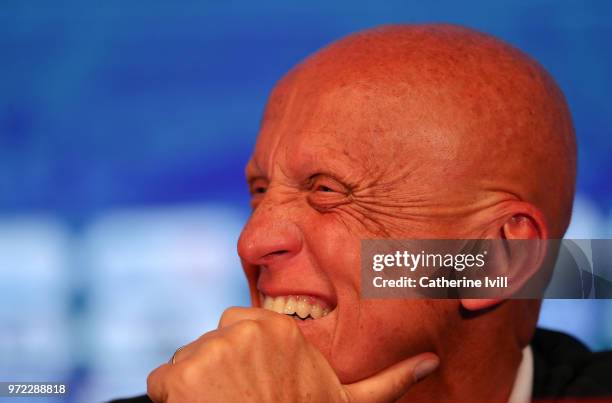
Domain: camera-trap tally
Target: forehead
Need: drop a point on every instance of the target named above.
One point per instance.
(341, 124)
(358, 125)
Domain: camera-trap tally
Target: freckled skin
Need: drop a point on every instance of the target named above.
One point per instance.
(431, 131)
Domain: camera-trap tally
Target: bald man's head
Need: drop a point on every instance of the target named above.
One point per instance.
(406, 132)
(490, 118)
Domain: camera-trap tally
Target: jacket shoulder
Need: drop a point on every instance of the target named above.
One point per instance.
(565, 367)
(137, 399)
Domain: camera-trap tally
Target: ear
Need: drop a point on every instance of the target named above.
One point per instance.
(520, 221)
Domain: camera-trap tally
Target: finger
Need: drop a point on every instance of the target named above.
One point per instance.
(236, 314)
(229, 317)
(391, 383)
(188, 350)
(155, 386)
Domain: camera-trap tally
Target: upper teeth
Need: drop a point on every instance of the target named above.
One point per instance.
(300, 305)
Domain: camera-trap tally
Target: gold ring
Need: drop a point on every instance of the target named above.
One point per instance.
(172, 360)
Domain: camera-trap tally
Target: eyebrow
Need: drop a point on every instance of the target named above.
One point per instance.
(341, 168)
(252, 170)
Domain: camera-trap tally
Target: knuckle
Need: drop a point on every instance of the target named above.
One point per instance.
(154, 376)
(248, 329)
(154, 381)
(229, 315)
(214, 350)
(286, 324)
(190, 374)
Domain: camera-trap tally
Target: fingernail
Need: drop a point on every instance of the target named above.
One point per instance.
(425, 368)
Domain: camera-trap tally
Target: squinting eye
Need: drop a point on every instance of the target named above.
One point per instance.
(325, 184)
(327, 193)
(258, 186)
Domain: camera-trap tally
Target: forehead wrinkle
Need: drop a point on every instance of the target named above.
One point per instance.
(322, 152)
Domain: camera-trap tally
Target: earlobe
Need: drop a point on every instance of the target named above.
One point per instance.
(477, 304)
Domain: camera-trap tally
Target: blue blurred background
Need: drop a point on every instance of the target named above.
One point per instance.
(124, 129)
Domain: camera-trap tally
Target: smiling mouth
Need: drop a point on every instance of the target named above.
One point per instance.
(300, 307)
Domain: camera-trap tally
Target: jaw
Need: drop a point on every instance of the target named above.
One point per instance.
(350, 325)
(329, 333)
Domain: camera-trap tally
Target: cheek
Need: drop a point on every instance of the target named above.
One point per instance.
(381, 333)
(368, 335)
(335, 249)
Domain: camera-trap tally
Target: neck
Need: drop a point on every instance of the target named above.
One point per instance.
(480, 368)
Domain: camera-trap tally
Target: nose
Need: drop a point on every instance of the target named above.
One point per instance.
(269, 236)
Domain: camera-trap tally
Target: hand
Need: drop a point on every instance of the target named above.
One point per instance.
(257, 355)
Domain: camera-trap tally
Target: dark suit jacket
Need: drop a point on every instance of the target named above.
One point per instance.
(563, 368)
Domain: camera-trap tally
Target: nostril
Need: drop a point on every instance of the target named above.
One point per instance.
(276, 253)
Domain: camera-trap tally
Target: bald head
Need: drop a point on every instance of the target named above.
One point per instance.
(407, 132)
(487, 122)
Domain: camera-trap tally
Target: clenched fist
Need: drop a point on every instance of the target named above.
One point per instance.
(257, 355)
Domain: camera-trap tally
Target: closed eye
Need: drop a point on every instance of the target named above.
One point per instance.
(326, 184)
(323, 188)
(327, 192)
(257, 188)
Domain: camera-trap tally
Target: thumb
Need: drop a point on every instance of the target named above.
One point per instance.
(391, 383)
